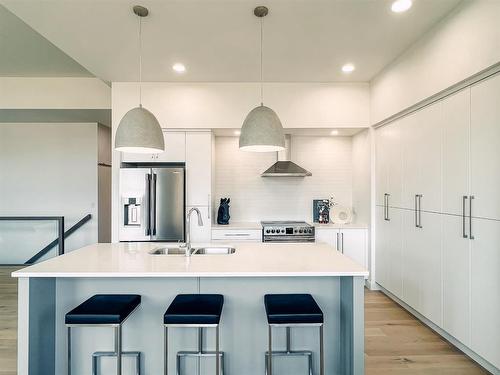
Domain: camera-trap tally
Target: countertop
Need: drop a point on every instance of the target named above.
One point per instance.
(249, 260)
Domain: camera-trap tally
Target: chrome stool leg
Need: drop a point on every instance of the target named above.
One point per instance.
(165, 350)
(200, 353)
(321, 352)
(69, 350)
(118, 349)
(288, 352)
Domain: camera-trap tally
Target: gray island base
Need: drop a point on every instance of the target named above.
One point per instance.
(45, 296)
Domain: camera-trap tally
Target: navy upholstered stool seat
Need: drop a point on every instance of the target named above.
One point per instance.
(293, 310)
(105, 310)
(195, 311)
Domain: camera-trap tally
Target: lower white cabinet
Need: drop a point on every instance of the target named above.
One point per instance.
(352, 242)
(456, 279)
(236, 234)
(200, 233)
(388, 267)
(485, 289)
(452, 280)
(421, 260)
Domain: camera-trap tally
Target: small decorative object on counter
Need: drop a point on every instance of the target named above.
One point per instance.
(223, 212)
(321, 210)
(341, 215)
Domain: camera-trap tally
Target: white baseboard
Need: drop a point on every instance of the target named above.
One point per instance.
(463, 348)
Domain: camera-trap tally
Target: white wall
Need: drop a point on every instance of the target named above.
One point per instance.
(54, 93)
(225, 105)
(361, 176)
(463, 44)
(47, 169)
(253, 198)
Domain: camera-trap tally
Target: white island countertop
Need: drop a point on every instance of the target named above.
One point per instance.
(249, 260)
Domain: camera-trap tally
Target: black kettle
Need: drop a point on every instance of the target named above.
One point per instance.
(223, 212)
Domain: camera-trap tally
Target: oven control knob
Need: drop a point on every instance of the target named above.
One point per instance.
(272, 231)
(268, 231)
(282, 231)
(300, 230)
(310, 230)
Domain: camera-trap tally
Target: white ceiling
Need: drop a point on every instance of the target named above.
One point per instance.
(218, 40)
(25, 53)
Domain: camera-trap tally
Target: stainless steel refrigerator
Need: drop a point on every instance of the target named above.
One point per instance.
(152, 201)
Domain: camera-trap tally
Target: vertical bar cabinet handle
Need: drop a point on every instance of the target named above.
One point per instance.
(388, 218)
(416, 211)
(342, 241)
(420, 211)
(464, 230)
(471, 198)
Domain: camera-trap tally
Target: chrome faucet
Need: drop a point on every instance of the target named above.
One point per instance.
(188, 229)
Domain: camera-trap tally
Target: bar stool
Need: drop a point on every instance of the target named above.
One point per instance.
(293, 310)
(105, 310)
(195, 311)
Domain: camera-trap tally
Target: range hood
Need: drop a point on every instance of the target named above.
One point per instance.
(284, 167)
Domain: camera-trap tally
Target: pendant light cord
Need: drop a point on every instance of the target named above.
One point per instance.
(261, 60)
(140, 61)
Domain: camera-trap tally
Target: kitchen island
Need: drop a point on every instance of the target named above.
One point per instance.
(50, 289)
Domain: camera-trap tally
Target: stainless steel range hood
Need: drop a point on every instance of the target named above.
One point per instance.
(284, 167)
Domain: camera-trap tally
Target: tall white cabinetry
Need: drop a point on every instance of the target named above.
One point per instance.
(199, 182)
(438, 214)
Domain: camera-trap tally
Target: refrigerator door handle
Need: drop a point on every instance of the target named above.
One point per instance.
(147, 214)
(420, 211)
(464, 203)
(153, 205)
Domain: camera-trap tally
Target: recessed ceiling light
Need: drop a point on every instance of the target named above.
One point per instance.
(179, 68)
(348, 68)
(237, 132)
(400, 6)
(334, 132)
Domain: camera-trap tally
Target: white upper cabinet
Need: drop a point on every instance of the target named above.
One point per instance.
(455, 156)
(175, 151)
(388, 164)
(485, 148)
(198, 168)
(421, 134)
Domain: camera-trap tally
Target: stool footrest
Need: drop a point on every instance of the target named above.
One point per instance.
(198, 354)
(293, 353)
(97, 355)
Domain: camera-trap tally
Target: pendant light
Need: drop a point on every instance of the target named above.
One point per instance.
(139, 131)
(262, 130)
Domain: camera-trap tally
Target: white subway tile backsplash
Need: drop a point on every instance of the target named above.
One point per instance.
(253, 198)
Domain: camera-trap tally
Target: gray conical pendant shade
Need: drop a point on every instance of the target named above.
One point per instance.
(262, 131)
(140, 132)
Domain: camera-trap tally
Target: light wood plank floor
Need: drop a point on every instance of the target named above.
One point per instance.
(8, 321)
(396, 342)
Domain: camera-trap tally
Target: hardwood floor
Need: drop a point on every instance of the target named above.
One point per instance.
(396, 343)
(8, 322)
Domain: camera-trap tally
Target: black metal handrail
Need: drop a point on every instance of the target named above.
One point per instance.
(61, 235)
(68, 233)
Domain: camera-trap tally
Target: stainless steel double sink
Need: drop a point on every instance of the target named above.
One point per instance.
(209, 250)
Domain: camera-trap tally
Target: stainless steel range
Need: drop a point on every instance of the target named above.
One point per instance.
(287, 231)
